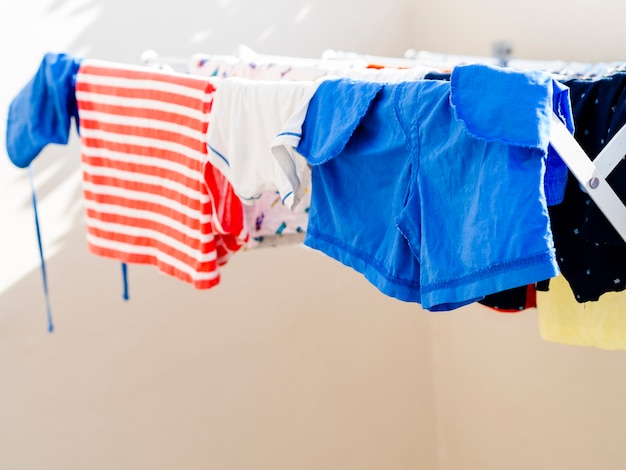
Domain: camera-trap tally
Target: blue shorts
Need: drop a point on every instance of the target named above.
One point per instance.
(434, 190)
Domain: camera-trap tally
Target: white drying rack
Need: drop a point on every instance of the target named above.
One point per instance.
(592, 174)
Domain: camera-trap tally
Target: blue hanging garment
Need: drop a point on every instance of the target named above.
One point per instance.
(39, 115)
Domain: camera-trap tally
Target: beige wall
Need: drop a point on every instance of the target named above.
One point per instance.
(512, 401)
(293, 361)
(507, 399)
(573, 30)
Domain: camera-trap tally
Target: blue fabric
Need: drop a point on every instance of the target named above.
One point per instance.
(427, 207)
(359, 186)
(125, 294)
(555, 179)
(557, 172)
(44, 275)
(41, 112)
(494, 104)
(329, 146)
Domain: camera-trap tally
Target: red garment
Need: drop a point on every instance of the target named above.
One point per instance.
(143, 154)
(512, 300)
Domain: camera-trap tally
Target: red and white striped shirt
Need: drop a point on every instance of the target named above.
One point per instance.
(143, 154)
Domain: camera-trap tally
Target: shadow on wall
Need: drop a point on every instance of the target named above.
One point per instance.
(179, 378)
(122, 30)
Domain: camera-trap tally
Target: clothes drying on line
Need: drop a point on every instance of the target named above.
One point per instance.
(441, 192)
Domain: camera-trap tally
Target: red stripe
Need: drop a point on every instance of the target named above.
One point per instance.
(196, 144)
(105, 198)
(192, 222)
(179, 79)
(145, 113)
(163, 267)
(198, 266)
(193, 203)
(203, 103)
(140, 169)
(141, 93)
(192, 241)
(144, 151)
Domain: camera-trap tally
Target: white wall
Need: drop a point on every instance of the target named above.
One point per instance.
(311, 369)
(509, 400)
(122, 30)
(315, 368)
(572, 30)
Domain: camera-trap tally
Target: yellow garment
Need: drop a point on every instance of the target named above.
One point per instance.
(563, 320)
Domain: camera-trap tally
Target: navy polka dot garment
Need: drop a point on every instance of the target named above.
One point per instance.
(590, 253)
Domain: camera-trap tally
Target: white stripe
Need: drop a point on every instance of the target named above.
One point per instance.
(175, 206)
(135, 177)
(147, 123)
(132, 159)
(141, 103)
(118, 66)
(92, 78)
(132, 231)
(150, 251)
(161, 144)
(114, 209)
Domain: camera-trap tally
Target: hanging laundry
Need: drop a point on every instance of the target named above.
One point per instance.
(512, 300)
(250, 65)
(591, 256)
(600, 111)
(252, 68)
(411, 188)
(143, 151)
(556, 175)
(39, 115)
(42, 111)
(269, 221)
(562, 319)
(248, 115)
(275, 227)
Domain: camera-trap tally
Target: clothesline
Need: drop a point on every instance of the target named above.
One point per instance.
(592, 176)
(219, 188)
(411, 58)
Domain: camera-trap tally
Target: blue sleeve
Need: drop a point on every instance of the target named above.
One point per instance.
(41, 112)
(335, 111)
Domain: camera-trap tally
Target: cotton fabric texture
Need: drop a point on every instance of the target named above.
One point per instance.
(247, 116)
(41, 113)
(590, 253)
(556, 175)
(143, 153)
(600, 324)
(433, 190)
